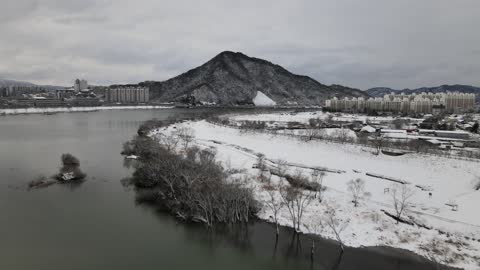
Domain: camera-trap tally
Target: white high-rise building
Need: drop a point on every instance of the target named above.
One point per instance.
(128, 94)
(453, 102)
(80, 85)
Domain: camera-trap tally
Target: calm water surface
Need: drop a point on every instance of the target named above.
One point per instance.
(96, 225)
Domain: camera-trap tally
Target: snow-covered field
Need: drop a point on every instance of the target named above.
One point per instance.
(303, 117)
(326, 132)
(77, 109)
(450, 181)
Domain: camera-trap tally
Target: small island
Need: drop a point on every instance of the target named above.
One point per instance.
(69, 172)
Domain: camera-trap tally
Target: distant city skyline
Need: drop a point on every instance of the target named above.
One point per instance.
(361, 44)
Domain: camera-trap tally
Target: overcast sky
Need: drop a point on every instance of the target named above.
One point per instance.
(358, 43)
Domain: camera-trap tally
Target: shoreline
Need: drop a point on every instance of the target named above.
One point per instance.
(17, 111)
(368, 226)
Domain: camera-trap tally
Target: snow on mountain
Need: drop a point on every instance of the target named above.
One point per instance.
(261, 100)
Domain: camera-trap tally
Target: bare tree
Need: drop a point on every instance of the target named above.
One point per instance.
(186, 135)
(311, 133)
(418, 145)
(342, 135)
(315, 230)
(335, 224)
(275, 204)
(322, 133)
(282, 167)
(438, 252)
(378, 142)
(262, 167)
(288, 194)
(401, 199)
(357, 190)
(296, 200)
(317, 177)
(170, 142)
(302, 200)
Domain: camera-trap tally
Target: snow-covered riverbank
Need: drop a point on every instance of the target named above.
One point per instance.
(77, 109)
(455, 235)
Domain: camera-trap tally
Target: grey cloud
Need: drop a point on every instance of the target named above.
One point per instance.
(21, 9)
(356, 43)
(16, 10)
(89, 19)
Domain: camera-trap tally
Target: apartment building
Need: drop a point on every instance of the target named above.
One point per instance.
(127, 94)
(452, 102)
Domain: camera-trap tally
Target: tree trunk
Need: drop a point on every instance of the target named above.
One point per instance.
(275, 247)
(337, 265)
(312, 250)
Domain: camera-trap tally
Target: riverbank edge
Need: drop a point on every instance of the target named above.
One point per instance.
(17, 111)
(386, 249)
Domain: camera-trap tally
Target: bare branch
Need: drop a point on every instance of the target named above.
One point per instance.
(401, 197)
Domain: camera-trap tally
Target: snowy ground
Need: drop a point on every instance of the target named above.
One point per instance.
(450, 182)
(77, 109)
(303, 117)
(326, 132)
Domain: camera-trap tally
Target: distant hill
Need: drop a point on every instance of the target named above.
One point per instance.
(381, 91)
(6, 83)
(234, 78)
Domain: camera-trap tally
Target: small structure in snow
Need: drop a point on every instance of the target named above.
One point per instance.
(261, 100)
(368, 129)
(434, 141)
(453, 205)
(67, 176)
(458, 144)
(393, 153)
(457, 134)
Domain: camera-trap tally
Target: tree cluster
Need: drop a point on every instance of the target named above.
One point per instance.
(189, 183)
(70, 169)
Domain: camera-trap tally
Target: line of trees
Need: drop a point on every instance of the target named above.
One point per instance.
(187, 180)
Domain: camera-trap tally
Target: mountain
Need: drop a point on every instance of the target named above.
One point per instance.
(381, 91)
(6, 83)
(234, 78)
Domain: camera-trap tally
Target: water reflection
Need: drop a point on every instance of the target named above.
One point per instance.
(72, 185)
(293, 251)
(259, 239)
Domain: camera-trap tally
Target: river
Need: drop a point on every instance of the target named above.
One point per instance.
(97, 225)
